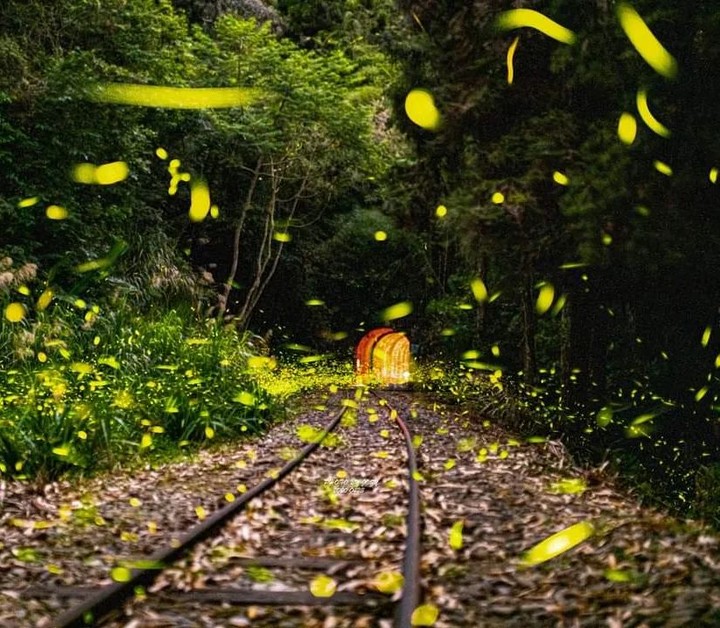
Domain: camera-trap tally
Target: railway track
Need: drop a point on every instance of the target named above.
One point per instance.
(502, 492)
(98, 605)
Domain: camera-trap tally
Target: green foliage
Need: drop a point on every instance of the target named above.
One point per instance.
(119, 364)
(639, 291)
(357, 275)
(85, 387)
(291, 379)
(456, 383)
(706, 504)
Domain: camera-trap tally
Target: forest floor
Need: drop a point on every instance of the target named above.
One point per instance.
(639, 567)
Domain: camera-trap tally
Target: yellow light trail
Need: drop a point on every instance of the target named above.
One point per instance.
(175, 97)
(558, 543)
(199, 201)
(663, 168)
(510, 57)
(647, 117)
(518, 18)
(647, 45)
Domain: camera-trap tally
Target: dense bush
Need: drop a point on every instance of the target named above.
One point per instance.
(84, 386)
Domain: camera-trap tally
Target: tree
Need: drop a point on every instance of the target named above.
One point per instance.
(307, 142)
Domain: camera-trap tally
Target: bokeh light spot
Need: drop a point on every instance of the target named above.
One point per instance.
(627, 128)
(55, 212)
(560, 178)
(199, 201)
(420, 108)
(15, 312)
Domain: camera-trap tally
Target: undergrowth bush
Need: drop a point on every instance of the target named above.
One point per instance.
(457, 383)
(290, 379)
(83, 387)
(646, 440)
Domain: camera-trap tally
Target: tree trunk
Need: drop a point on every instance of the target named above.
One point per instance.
(529, 327)
(268, 256)
(239, 225)
(481, 307)
(584, 364)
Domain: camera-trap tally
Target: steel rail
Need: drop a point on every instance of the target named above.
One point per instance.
(111, 596)
(411, 592)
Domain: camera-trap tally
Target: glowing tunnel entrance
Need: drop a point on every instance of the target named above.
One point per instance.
(383, 355)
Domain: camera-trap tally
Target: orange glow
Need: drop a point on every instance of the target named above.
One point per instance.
(383, 355)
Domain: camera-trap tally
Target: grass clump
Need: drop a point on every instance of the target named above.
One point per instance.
(84, 387)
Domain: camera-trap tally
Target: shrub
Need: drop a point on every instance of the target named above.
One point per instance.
(83, 387)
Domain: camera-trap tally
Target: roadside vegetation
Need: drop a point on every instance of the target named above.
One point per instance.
(550, 225)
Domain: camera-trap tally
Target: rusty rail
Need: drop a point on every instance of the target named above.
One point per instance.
(96, 604)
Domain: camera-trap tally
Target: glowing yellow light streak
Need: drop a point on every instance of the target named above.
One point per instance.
(479, 289)
(647, 117)
(498, 198)
(282, 236)
(559, 304)
(706, 336)
(28, 202)
(455, 537)
(175, 97)
(110, 173)
(518, 18)
(199, 201)
(84, 173)
(44, 300)
(545, 298)
(380, 236)
(55, 212)
(643, 418)
(647, 45)
(441, 211)
(420, 108)
(121, 574)
(389, 581)
(510, 58)
(662, 168)
(713, 175)
(627, 128)
(399, 310)
(323, 586)
(560, 178)
(104, 174)
(558, 543)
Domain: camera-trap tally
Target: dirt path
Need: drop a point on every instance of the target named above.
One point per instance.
(637, 568)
